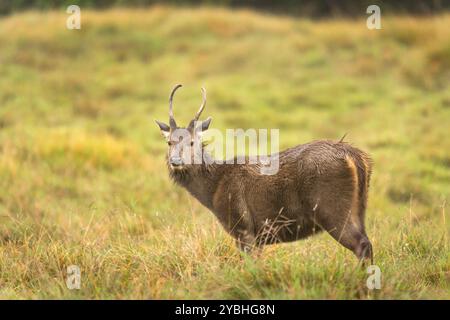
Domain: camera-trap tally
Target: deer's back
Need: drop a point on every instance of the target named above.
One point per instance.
(308, 174)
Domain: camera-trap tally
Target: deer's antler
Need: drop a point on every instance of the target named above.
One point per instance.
(172, 122)
(202, 106)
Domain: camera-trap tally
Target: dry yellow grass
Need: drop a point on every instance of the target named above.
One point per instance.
(82, 169)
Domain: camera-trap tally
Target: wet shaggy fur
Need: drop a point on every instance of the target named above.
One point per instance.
(320, 185)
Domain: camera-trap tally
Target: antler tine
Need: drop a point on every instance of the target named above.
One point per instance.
(172, 122)
(202, 106)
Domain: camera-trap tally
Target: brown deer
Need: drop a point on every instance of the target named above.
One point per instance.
(321, 185)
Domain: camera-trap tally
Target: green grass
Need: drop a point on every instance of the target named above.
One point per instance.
(82, 173)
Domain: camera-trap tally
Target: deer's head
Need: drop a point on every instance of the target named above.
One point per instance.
(184, 143)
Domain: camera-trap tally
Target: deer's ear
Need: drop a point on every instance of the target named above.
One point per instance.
(206, 123)
(165, 129)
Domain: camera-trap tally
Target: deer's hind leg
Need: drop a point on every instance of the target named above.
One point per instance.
(351, 236)
(344, 222)
(343, 216)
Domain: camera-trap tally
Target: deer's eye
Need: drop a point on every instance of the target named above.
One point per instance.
(192, 143)
(169, 143)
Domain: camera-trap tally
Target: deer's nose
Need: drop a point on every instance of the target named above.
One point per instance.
(176, 161)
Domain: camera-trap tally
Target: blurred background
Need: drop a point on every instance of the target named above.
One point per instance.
(83, 178)
(309, 8)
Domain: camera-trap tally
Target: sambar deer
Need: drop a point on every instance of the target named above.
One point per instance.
(321, 185)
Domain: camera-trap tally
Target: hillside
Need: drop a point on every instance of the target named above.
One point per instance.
(82, 168)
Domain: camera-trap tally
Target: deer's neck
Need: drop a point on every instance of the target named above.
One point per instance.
(200, 180)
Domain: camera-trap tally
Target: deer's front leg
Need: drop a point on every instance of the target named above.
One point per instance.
(239, 223)
(246, 242)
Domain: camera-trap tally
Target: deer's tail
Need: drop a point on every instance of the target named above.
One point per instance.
(360, 166)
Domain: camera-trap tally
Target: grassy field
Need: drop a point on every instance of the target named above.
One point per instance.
(82, 173)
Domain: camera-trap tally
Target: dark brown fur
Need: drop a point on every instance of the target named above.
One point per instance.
(321, 185)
